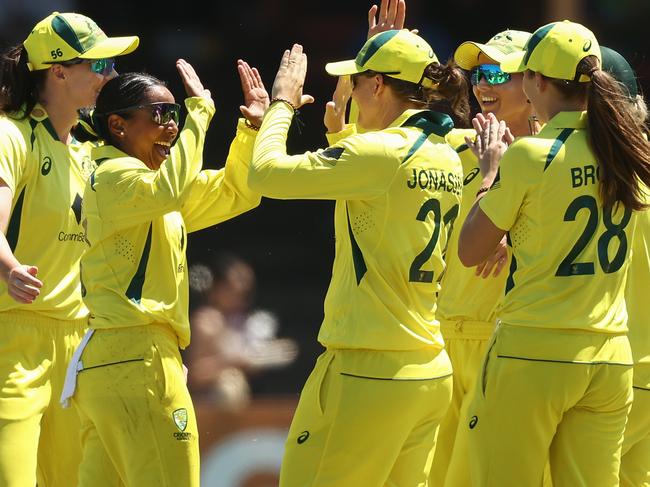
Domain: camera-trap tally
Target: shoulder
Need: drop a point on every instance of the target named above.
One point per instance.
(15, 129)
(456, 138)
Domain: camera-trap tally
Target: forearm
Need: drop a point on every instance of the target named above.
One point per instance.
(7, 259)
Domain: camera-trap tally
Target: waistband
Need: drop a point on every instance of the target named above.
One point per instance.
(466, 329)
(156, 328)
(20, 317)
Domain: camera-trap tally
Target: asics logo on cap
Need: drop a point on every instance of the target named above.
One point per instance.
(587, 45)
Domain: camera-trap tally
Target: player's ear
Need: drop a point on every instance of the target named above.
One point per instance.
(117, 126)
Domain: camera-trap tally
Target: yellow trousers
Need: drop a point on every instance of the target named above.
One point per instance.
(354, 428)
(635, 460)
(137, 418)
(547, 395)
(39, 440)
(466, 345)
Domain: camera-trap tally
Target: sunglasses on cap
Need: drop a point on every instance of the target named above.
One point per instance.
(97, 66)
(161, 112)
(491, 72)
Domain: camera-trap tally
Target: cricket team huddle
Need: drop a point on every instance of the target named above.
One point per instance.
(484, 323)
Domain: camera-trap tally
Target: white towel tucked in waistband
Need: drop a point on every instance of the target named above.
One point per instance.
(74, 367)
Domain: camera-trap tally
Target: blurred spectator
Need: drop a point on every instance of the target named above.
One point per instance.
(230, 340)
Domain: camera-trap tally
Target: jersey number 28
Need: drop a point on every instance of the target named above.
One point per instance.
(568, 267)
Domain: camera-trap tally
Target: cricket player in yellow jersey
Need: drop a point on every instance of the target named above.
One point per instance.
(469, 297)
(369, 412)
(635, 453)
(56, 71)
(144, 198)
(556, 384)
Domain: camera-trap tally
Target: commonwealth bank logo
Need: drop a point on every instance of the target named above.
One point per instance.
(180, 419)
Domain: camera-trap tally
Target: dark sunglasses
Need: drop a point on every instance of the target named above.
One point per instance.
(97, 66)
(492, 74)
(161, 113)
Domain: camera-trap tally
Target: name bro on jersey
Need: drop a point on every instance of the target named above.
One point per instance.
(583, 176)
(435, 179)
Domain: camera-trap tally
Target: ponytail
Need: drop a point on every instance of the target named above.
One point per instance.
(19, 87)
(616, 139)
(451, 91)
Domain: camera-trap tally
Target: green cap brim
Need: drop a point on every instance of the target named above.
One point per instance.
(467, 54)
(343, 68)
(514, 63)
(112, 47)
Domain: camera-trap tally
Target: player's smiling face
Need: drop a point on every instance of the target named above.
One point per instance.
(145, 139)
(506, 101)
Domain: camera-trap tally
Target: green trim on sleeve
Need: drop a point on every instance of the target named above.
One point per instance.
(134, 291)
(13, 230)
(557, 145)
(360, 267)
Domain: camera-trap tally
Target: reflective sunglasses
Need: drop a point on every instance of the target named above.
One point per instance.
(161, 112)
(491, 72)
(97, 66)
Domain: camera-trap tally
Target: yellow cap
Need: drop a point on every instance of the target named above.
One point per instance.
(555, 50)
(397, 53)
(62, 37)
(506, 42)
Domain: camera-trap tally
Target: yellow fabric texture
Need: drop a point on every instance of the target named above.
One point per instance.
(636, 296)
(463, 295)
(353, 431)
(47, 178)
(527, 411)
(451, 459)
(635, 462)
(137, 419)
(39, 441)
(397, 192)
(570, 256)
(135, 269)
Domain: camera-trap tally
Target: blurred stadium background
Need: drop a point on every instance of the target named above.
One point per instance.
(289, 244)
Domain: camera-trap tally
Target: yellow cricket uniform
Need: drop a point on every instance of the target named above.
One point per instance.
(133, 402)
(635, 460)
(383, 384)
(46, 178)
(557, 381)
(467, 306)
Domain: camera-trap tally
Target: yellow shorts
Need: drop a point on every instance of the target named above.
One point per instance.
(355, 426)
(465, 343)
(635, 460)
(137, 418)
(547, 395)
(39, 441)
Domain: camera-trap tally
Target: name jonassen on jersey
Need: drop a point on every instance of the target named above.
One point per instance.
(435, 179)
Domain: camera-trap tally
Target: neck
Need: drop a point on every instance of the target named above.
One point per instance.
(61, 113)
(520, 126)
(557, 105)
(391, 111)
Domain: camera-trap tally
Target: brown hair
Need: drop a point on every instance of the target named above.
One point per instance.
(615, 135)
(449, 94)
(19, 87)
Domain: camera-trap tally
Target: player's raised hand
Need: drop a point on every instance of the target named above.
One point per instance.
(290, 79)
(392, 14)
(22, 284)
(334, 118)
(256, 98)
(492, 139)
(191, 80)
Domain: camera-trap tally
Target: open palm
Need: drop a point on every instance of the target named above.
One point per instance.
(256, 98)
